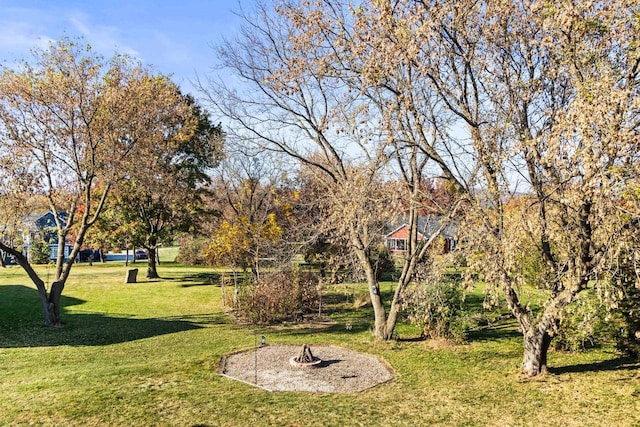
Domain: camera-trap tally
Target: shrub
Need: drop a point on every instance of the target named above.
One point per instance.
(39, 252)
(436, 307)
(628, 336)
(627, 304)
(192, 251)
(278, 296)
(585, 324)
(383, 262)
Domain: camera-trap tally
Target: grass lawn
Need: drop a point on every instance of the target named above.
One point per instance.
(147, 354)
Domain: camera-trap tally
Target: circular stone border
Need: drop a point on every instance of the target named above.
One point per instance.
(304, 365)
(340, 370)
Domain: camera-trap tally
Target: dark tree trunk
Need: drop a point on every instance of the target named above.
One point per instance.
(44, 300)
(152, 271)
(54, 303)
(51, 303)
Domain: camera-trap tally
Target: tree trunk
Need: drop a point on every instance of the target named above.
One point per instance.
(381, 332)
(152, 272)
(536, 346)
(54, 303)
(44, 300)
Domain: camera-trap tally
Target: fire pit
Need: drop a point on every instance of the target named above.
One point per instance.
(340, 370)
(305, 359)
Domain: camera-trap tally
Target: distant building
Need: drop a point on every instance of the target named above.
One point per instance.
(43, 226)
(396, 240)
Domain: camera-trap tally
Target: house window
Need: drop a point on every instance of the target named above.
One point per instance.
(397, 244)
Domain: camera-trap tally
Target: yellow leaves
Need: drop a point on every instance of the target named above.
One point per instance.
(227, 240)
(238, 243)
(270, 230)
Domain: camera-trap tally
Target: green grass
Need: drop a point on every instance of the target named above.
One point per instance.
(147, 354)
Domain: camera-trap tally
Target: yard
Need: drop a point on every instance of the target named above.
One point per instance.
(148, 353)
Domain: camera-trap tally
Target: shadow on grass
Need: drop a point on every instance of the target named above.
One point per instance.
(418, 338)
(494, 333)
(21, 323)
(617, 364)
(474, 303)
(201, 279)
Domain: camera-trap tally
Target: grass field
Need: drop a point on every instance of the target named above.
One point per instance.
(147, 354)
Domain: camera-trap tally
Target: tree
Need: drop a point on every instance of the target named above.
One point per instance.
(167, 180)
(70, 119)
(110, 231)
(548, 94)
(253, 212)
(313, 97)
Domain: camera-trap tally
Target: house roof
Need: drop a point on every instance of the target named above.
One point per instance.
(41, 221)
(427, 225)
(402, 232)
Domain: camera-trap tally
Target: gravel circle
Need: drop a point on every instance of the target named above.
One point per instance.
(341, 370)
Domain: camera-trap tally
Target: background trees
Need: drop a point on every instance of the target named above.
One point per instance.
(166, 180)
(254, 205)
(70, 120)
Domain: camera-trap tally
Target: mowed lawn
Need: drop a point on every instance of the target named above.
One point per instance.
(147, 354)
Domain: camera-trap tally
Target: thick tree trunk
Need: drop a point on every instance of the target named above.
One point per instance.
(536, 347)
(53, 304)
(44, 300)
(152, 271)
(381, 331)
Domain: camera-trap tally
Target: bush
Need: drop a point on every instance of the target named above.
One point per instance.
(383, 262)
(278, 296)
(585, 324)
(627, 304)
(192, 251)
(39, 252)
(436, 307)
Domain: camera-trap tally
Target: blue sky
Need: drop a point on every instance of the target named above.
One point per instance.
(173, 36)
